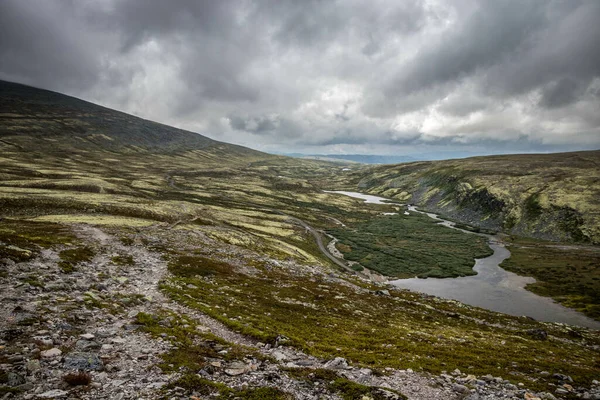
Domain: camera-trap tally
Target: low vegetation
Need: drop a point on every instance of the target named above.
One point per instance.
(567, 273)
(71, 257)
(193, 348)
(547, 196)
(404, 330)
(345, 388)
(193, 383)
(406, 246)
(220, 217)
(22, 240)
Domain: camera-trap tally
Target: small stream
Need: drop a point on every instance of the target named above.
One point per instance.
(493, 287)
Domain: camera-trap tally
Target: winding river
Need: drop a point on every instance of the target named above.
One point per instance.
(493, 287)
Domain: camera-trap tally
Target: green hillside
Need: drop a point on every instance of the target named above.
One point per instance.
(547, 196)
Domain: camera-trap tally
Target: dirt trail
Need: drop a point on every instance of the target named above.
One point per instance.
(414, 385)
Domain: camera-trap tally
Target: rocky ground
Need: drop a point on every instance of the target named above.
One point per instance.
(56, 324)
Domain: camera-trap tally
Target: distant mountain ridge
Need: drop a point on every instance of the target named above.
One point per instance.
(385, 159)
(549, 196)
(357, 158)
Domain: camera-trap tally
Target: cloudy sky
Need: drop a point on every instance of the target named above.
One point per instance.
(320, 76)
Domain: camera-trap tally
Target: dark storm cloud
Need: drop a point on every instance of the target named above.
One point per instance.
(315, 22)
(508, 48)
(258, 125)
(36, 48)
(483, 39)
(285, 74)
(143, 20)
(561, 93)
(565, 47)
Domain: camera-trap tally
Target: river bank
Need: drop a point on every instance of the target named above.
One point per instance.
(492, 288)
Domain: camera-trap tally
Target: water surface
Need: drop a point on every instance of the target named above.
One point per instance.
(366, 197)
(493, 287)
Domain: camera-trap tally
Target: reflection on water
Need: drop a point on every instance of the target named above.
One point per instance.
(366, 197)
(492, 288)
(499, 290)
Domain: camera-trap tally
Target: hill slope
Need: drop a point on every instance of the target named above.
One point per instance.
(40, 120)
(549, 196)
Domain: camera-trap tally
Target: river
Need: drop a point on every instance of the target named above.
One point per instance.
(493, 287)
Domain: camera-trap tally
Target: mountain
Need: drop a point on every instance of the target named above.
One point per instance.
(550, 196)
(44, 121)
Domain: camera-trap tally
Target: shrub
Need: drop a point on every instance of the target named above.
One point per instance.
(80, 378)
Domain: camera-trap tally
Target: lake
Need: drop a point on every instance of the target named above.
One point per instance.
(493, 287)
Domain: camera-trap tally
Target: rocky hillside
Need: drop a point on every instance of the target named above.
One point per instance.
(547, 196)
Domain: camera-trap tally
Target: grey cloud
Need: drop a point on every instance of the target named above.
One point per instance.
(281, 74)
(507, 48)
(143, 20)
(266, 125)
(329, 22)
(566, 48)
(343, 116)
(35, 48)
(463, 106)
(560, 93)
(259, 125)
(504, 139)
(486, 37)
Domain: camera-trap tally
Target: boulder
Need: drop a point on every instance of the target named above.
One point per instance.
(83, 361)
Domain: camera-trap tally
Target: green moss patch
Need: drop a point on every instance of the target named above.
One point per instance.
(21, 240)
(71, 257)
(124, 260)
(193, 383)
(193, 347)
(407, 246)
(404, 330)
(569, 274)
(189, 266)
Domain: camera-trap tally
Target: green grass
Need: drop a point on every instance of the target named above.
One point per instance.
(570, 275)
(398, 331)
(191, 266)
(193, 347)
(407, 246)
(6, 389)
(123, 260)
(71, 257)
(22, 240)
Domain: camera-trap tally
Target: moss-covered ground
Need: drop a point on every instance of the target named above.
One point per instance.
(345, 388)
(568, 273)
(256, 297)
(405, 246)
(403, 330)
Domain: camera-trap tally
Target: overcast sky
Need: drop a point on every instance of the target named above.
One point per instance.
(372, 76)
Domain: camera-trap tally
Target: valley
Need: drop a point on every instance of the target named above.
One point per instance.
(172, 265)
